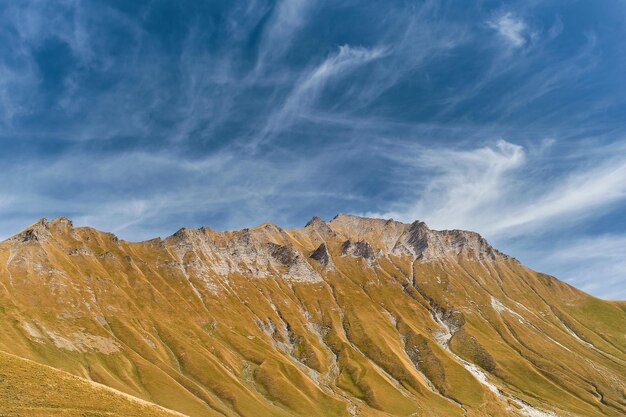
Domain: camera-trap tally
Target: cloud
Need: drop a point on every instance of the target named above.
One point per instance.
(512, 29)
(308, 87)
(577, 195)
(499, 190)
(146, 194)
(459, 183)
(287, 18)
(6, 201)
(595, 264)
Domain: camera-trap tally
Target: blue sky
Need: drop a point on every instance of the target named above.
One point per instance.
(508, 118)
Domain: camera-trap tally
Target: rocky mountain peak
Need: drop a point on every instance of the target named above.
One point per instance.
(428, 244)
(43, 230)
(388, 236)
(37, 232)
(319, 225)
(359, 224)
(60, 225)
(315, 220)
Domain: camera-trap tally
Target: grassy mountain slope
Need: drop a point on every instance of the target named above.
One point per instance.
(28, 389)
(350, 317)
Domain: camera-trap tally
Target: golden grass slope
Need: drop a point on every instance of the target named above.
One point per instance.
(28, 389)
(353, 317)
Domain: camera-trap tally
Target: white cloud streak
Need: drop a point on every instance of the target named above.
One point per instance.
(595, 264)
(308, 88)
(512, 29)
(142, 195)
(489, 189)
(288, 17)
(577, 195)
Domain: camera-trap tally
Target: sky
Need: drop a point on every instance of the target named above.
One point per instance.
(506, 118)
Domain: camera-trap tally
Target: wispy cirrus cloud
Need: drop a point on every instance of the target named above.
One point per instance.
(288, 16)
(595, 264)
(455, 184)
(513, 30)
(497, 189)
(579, 195)
(310, 85)
(141, 195)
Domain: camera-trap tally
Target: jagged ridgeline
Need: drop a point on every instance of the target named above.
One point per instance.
(352, 317)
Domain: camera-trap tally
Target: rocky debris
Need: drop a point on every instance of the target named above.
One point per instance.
(77, 341)
(84, 342)
(301, 271)
(359, 249)
(321, 254)
(33, 331)
(29, 236)
(79, 252)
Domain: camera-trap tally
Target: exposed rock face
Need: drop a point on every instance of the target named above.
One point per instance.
(283, 254)
(416, 239)
(318, 224)
(252, 252)
(427, 244)
(321, 254)
(262, 251)
(359, 249)
(35, 233)
(354, 316)
(43, 230)
(29, 236)
(380, 234)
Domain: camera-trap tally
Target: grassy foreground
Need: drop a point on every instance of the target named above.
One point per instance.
(28, 389)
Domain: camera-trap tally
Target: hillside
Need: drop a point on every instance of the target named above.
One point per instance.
(352, 317)
(28, 389)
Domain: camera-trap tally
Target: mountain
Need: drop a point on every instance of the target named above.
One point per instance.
(351, 317)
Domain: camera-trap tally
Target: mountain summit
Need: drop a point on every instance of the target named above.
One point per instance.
(350, 317)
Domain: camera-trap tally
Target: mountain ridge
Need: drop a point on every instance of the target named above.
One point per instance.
(354, 316)
(42, 229)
